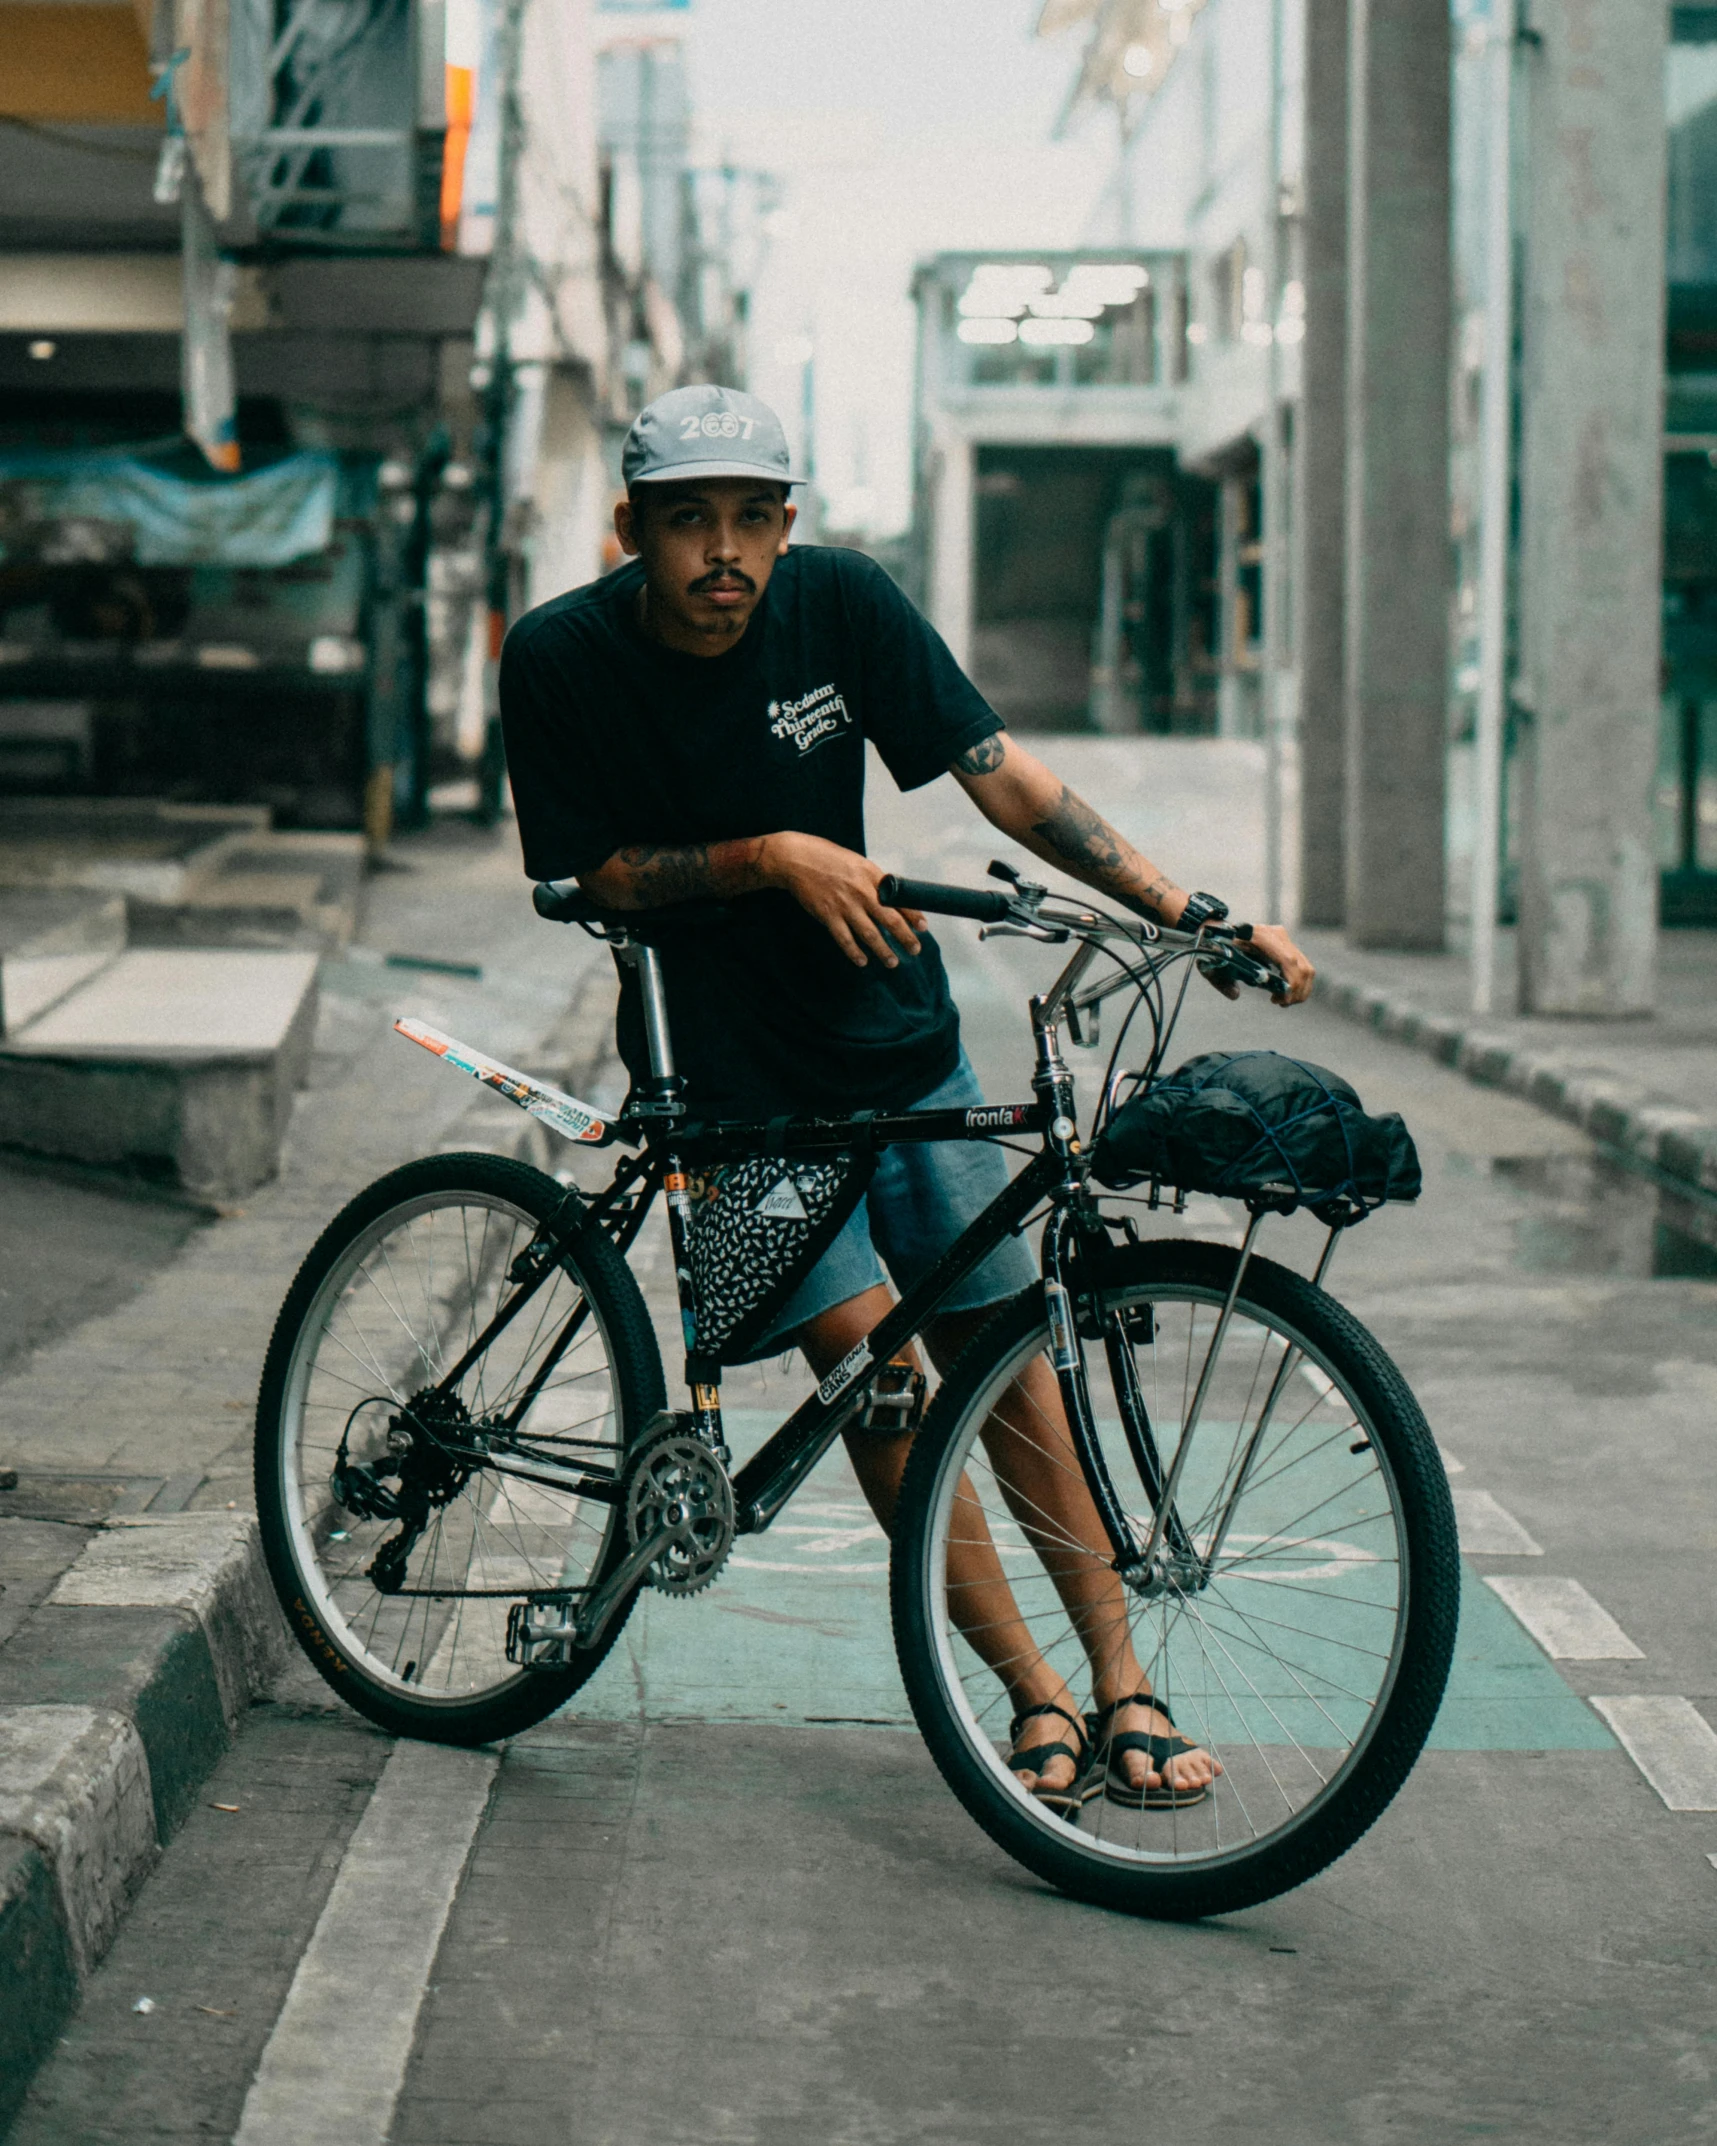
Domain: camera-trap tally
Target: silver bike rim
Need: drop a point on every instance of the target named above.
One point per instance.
(517, 1538)
(1289, 1737)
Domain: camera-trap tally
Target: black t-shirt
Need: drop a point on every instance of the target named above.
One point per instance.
(613, 739)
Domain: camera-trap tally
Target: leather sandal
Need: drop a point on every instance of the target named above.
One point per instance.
(1158, 1749)
(1070, 1795)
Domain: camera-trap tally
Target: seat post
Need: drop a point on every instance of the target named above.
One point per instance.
(648, 964)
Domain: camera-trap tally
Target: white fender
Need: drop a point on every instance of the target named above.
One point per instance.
(561, 1113)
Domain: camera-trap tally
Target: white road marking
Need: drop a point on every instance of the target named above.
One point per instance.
(1567, 1622)
(1488, 1529)
(1711, 1859)
(1451, 1466)
(334, 2065)
(1671, 1743)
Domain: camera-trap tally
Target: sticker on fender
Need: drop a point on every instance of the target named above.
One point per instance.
(562, 1113)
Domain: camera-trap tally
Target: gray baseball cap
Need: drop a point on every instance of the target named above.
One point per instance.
(705, 432)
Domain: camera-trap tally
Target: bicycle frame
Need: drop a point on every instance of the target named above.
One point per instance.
(1074, 1238)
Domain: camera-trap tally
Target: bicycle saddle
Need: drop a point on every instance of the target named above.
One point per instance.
(564, 901)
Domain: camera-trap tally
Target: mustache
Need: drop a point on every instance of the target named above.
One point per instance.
(724, 577)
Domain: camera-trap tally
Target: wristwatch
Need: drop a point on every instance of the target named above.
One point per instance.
(1201, 909)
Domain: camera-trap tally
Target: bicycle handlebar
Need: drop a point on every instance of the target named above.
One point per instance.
(563, 901)
(977, 903)
(1231, 965)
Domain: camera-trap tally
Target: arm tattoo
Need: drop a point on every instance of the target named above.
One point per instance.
(1089, 847)
(983, 758)
(662, 874)
(1083, 840)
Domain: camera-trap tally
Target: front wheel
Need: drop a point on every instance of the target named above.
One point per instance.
(412, 1476)
(1300, 1630)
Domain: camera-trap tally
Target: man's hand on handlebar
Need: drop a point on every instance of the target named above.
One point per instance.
(838, 887)
(1272, 944)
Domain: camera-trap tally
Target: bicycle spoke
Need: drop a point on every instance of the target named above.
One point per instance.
(1275, 1662)
(436, 1278)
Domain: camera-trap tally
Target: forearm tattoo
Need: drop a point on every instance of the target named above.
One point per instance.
(660, 873)
(1083, 839)
(983, 758)
(1089, 847)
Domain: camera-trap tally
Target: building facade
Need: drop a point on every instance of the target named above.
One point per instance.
(1427, 275)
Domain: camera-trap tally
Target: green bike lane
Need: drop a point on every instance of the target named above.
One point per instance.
(796, 1631)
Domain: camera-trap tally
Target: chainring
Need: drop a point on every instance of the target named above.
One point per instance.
(677, 1482)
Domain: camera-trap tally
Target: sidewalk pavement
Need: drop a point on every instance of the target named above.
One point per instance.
(137, 1622)
(1646, 1086)
(162, 1387)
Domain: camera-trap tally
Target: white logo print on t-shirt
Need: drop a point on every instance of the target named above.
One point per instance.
(811, 718)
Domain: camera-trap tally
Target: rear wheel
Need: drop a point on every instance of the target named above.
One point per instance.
(1304, 1641)
(399, 1520)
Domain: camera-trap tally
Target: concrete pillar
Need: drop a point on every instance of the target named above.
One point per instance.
(1321, 472)
(952, 536)
(1230, 700)
(1399, 567)
(1591, 473)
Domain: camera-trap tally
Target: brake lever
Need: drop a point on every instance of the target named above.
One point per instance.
(1048, 934)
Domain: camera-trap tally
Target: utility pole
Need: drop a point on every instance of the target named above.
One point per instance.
(1496, 501)
(506, 266)
(1280, 788)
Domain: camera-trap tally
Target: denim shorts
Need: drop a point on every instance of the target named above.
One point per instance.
(919, 1201)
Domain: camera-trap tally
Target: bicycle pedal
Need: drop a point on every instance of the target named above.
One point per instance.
(542, 1635)
(895, 1401)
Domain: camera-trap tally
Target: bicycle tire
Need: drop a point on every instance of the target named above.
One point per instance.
(622, 1351)
(1149, 1874)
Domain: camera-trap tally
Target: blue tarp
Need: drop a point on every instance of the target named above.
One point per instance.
(270, 517)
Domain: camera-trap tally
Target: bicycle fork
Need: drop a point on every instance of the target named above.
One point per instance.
(1168, 1556)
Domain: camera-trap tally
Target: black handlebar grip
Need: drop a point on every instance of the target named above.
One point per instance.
(978, 903)
(563, 901)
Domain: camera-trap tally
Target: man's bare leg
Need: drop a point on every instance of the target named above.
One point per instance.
(1032, 1449)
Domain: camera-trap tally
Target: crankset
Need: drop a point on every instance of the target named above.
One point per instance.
(680, 1522)
(678, 1489)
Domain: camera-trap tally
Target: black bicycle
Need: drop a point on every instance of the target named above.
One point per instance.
(1168, 1460)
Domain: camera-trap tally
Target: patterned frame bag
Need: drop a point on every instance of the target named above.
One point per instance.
(757, 1229)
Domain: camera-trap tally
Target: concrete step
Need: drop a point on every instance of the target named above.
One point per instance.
(51, 941)
(286, 889)
(191, 875)
(125, 845)
(176, 1066)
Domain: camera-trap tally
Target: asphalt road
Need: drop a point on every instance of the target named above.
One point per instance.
(727, 1898)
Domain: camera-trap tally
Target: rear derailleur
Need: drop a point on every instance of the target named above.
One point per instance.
(423, 1442)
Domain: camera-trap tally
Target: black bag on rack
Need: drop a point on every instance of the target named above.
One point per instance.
(757, 1229)
(1255, 1126)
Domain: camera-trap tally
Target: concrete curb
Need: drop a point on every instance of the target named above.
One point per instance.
(1680, 1142)
(117, 1696)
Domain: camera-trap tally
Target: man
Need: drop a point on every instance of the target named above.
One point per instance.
(694, 727)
